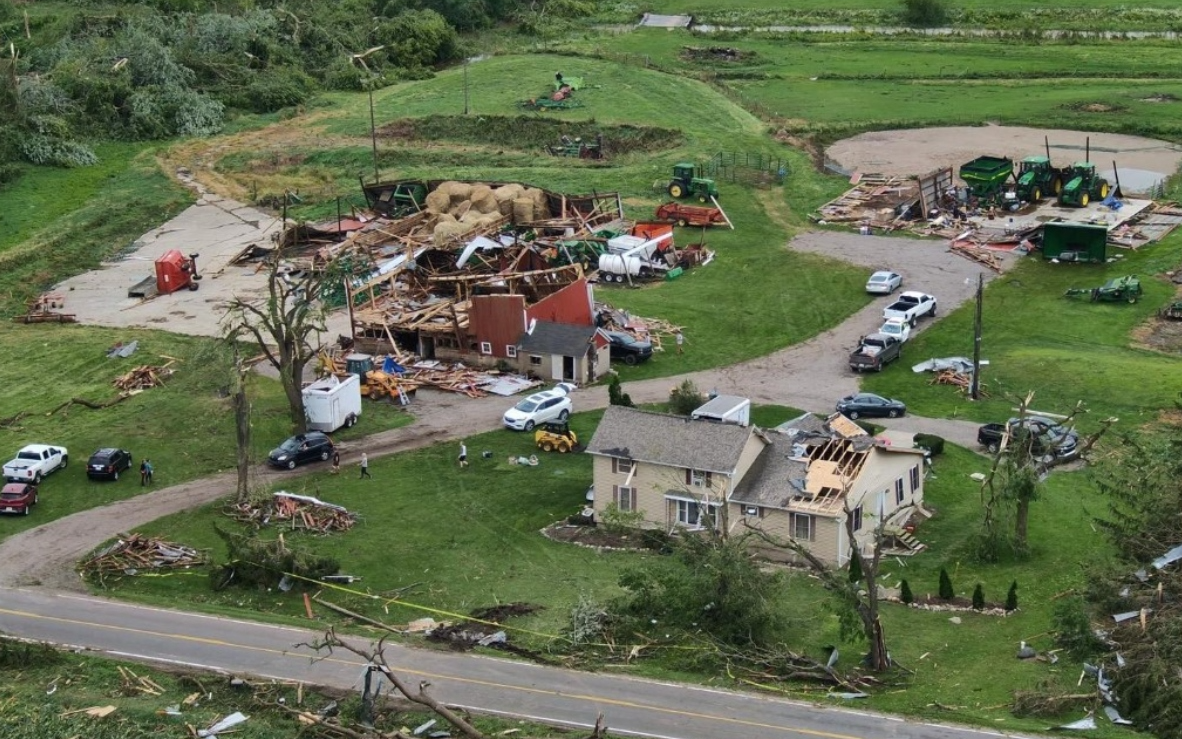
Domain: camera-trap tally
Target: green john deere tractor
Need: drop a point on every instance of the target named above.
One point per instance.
(1037, 178)
(1083, 185)
(687, 184)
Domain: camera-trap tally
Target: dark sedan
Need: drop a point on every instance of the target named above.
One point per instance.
(628, 348)
(869, 404)
(107, 463)
(18, 497)
(310, 447)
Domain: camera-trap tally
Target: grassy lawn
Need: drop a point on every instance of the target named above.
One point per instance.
(1065, 349)
(463, 539)
(186, 426)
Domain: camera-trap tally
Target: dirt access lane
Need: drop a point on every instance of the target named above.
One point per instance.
(810, 375)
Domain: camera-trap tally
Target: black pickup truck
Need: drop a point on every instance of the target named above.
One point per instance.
(875, 352)
(1047, 437)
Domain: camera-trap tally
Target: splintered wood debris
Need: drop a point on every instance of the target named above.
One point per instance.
(144, 377)
(961, 380)
(654, 330)
(134, 553)
(294, 512)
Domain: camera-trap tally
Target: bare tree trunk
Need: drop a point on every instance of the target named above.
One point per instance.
(242, 433)
(1021, 517)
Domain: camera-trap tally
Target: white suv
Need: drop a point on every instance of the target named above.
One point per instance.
(548, 405)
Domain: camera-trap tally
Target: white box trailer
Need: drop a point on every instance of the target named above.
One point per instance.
(332, 403)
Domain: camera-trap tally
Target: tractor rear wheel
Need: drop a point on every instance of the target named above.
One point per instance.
(1103, 190)
(1058, 185)
(676, 190)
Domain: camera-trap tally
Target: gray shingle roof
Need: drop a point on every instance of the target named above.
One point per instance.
(564, 339)
(774, 478)
(675, 441)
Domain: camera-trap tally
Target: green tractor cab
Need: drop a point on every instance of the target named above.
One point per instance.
(1037, 178)
(687, 184)
(1125, 289)
(1083, 186)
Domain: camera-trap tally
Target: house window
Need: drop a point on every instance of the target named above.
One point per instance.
(899, 491)
(915, 478)
(698, 479)
(857, 515)
(753, 511)
(694, 515)
(621, 466)
(803, 528)
(510, 351)
(485, 347)
(624, 498)
(535, 360)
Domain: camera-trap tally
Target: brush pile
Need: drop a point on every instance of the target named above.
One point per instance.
(134, 553)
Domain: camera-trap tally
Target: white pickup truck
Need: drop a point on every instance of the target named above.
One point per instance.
(34, 462)
(910, 307)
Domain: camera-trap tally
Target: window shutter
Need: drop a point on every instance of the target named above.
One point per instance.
(709, 480)
(615, 465)
(689, 477)
(616, 495)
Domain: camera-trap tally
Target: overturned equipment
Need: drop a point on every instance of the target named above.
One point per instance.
(1118, 289)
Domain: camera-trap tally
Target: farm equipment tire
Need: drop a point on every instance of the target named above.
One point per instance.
(546, 446)
(682, 222)
(1057, 186)
(350, 420)
(703, 199)
(193, 286)
(630, 360)
(1036, 195)
(675, 190)
(1084, 200)
(563, 447)
(1103, 190)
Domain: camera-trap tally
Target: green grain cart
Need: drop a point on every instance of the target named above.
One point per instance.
(987, 178)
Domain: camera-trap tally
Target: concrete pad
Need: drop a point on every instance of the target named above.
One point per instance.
(1135, 181)
(1050, 211)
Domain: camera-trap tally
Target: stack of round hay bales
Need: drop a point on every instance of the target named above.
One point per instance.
(438, 202)
(483, 200)
(505, 195)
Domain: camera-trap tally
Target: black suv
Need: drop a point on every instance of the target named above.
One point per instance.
(628, 348)
(302, 448)
(107, 463)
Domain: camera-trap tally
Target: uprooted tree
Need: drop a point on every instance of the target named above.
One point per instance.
(284, 323)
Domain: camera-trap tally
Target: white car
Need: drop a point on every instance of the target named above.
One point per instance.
(34, 462)
(884, 283)
(548, 405)
(898, 328)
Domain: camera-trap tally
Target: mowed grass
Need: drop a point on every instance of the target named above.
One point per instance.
(434, 540)
(185, 426)
(1065, 349)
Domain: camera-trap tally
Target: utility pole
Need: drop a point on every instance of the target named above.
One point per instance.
(975, 389)
(465, 86)
(373, 135)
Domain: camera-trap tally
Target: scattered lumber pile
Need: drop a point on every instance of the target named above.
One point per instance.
(295, 512)
(133, 684)
(643, 329)
(144, 377)
(977, 254)
(962, 380)
(45, 310)
(134, 553)
(872, 201)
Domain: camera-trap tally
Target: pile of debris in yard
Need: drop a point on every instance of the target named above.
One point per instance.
(294, 512)
(994, 204)
(134, 553)
(144, 377)
(654, 330)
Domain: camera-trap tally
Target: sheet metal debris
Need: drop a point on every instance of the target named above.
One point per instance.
(225, 725)
(1088, 722)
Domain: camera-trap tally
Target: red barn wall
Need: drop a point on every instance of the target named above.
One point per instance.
(497, 319)
(570, 305)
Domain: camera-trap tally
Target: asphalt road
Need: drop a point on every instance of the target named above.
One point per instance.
(631, 707)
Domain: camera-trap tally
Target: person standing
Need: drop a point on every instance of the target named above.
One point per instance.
(364, 466)
(463, 460)
(680, 337)
(148, 469)
(143, 472)
(336, 462)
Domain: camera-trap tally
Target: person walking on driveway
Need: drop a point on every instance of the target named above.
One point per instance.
(143, 472)
(364, 466)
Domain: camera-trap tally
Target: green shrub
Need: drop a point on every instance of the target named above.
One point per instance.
(905, 593)
(275, 88)
(1012, 597)
(1073, 628)
(685, 398)
(10, 173)
(616, 394)
(855, 569)
(618, 521)
(925, 13)
(978, 597)
(934, 444)
(946, 590)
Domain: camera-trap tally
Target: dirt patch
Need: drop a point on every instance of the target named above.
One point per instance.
(1096, 107)
(713, 54)
(529, 132)
(1160, 97)
(596, 537)
(914, 152)
(1159, 335)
